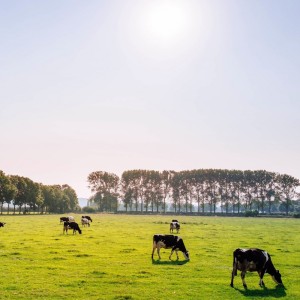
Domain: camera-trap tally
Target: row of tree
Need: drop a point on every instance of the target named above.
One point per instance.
(202, 190)
(23, 194)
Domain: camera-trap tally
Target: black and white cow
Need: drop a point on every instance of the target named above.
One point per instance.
(174, 225)
(169, 242)
(87, 217)
(63, 219)
(71, 225)
(85, 221)
(2, 224)
(254, 260)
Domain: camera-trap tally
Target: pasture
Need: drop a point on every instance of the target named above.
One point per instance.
(112, 258)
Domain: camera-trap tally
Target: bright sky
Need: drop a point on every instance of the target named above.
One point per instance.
(116, 85)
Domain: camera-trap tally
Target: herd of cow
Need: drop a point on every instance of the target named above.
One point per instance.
(244, 260)
(69, 223)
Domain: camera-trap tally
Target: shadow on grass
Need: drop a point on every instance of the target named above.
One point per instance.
(277, 292)
(169, 262)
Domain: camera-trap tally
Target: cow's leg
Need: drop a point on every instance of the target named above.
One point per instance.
(153, 251)
(154, 247)
(171, 253)
(233, 273)
(158, 252)
(243, 274)
(261, 275)
(174, 249)
(232, 277)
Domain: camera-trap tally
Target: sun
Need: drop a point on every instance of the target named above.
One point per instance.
(166, 21)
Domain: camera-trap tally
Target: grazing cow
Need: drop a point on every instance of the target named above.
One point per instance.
(85, 221)
(2, 224)
(174, 225)
(64, 219)
(87, 217)
(71, 225)
(167, 242)
(254, 260)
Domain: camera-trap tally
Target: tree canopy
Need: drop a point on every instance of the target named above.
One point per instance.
(23, 193)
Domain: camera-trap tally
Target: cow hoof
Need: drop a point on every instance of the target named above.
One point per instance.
(245, 286)
(231, 284)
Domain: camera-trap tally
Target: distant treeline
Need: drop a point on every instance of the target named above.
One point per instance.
(23, 194)
(200, 191)
(195, 191)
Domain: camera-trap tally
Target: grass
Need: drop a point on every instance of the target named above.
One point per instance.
(112, 258)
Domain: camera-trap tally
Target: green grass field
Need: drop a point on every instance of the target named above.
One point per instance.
(112, 258)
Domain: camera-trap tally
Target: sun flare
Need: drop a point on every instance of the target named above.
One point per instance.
(166, 20)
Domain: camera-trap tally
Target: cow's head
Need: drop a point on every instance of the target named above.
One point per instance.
(277, 277)
(186, 255)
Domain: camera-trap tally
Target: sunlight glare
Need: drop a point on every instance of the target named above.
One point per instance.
(166, 21)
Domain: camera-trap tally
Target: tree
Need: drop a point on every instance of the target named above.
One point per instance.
(166, 187)
(249, 187)
(21, 186)
(50, 200)
(287, 188)
(198, 182)
(70, 198)
(7, 190)
(106, 186)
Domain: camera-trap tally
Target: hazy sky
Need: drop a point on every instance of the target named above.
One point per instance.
(118, 85)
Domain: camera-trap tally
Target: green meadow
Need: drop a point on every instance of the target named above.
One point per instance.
(111, 259)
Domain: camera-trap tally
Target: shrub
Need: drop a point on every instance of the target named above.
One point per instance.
(251, 213)
(88, 209)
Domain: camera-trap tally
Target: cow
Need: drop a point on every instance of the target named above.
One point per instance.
(71, 219)
(2, 224)
(71, 225)
(63, 219)
(85, 221)
(174, 225)
(169, 242)
(87, 217)
(254, 260)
